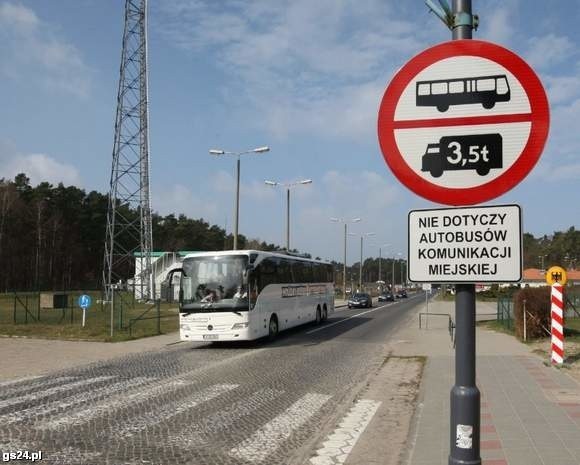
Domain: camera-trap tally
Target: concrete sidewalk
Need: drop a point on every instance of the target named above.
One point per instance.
(530, 412)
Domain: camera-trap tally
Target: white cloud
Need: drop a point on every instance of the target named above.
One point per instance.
(38, 167)
(305, 66)
(30, 48)
(549, 50)
(562, 89)
(180, 199)
(498, 25)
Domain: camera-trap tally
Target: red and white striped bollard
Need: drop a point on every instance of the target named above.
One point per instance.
(557, 324)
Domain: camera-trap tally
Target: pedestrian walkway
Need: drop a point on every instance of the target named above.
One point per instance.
(530, 411)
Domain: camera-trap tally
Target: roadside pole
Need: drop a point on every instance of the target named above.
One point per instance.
(411, 113)
(427, 309)
(112, 306)
(465, 396)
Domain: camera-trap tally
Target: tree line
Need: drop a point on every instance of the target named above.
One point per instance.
(52, 238)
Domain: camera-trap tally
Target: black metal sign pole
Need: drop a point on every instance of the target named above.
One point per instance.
(465, 397)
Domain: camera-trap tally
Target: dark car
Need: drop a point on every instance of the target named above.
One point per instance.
(387, 297)
(402, 294)
(360, 300)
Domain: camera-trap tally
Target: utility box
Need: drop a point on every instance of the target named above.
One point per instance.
(53, 300)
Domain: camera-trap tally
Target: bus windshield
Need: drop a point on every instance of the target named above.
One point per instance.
(214, 283)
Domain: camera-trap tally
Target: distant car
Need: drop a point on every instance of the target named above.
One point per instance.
(387, 297)
(360, 300)
(402, 294)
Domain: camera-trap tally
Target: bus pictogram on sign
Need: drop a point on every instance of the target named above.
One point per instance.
(463, 122)
(486, 90)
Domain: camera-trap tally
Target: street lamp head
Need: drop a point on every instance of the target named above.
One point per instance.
(271, 183)
(355, 220)
(216, 152)
(305, 181)
(334, 220)
(261, 149)
(370, 234)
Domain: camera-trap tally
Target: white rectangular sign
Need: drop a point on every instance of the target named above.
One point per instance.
(466, 245)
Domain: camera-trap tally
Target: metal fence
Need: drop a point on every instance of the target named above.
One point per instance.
(36, 312)
(505, 312)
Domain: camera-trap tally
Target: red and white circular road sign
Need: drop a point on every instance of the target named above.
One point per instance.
(463, 122)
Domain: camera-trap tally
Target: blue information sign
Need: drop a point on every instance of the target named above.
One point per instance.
(85, 301)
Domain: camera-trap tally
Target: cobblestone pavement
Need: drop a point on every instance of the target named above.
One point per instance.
(198, 404)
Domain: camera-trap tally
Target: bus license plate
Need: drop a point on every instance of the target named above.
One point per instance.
(211, 336)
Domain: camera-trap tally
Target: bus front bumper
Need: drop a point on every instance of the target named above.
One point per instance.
(242, 334)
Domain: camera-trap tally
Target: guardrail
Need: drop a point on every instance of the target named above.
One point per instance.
(450, 325)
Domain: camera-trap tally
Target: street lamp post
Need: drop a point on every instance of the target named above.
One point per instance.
(393, 275)
(342, 220)
(381, 258)
(362, 235)
(218, 152)
(288, 186)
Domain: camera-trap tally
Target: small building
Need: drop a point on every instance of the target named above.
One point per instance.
(161, 263)
(535, 277)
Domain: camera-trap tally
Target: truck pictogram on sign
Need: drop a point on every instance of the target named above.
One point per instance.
(479, 152)
(442, 93)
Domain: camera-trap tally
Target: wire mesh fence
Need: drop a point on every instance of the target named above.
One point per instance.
(59, 315)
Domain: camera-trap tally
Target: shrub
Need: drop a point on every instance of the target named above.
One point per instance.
(538, 302)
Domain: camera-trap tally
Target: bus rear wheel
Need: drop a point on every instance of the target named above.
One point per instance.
(482, 170)
(318, 316)
(273, 328)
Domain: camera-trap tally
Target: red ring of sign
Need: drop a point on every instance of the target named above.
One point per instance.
(540, 122)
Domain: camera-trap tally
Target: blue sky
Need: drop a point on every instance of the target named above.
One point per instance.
(305, 78)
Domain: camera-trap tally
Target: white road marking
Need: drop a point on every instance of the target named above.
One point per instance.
(345, 319)
(106, 405)
(46, 382)
(171, 410)
(341, 442)
(80, 398)
(163, 386)
(19, 380)
(49, 392)
(267, 439)
(191, 436)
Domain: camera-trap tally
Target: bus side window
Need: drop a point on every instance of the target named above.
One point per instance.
(485, 84)
(423, 89)
(456, 87)
(439, 88)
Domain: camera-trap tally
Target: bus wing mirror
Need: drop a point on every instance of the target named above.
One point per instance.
(246, 272)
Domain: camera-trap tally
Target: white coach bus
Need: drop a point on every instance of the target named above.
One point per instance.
(248, 294)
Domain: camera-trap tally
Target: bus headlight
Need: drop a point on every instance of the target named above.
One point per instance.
(185, 327)
(240, 325)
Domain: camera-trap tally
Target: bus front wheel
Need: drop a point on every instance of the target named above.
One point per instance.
(324, 313)
(273, 328)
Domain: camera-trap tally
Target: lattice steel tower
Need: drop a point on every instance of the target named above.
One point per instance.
(128, 243)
